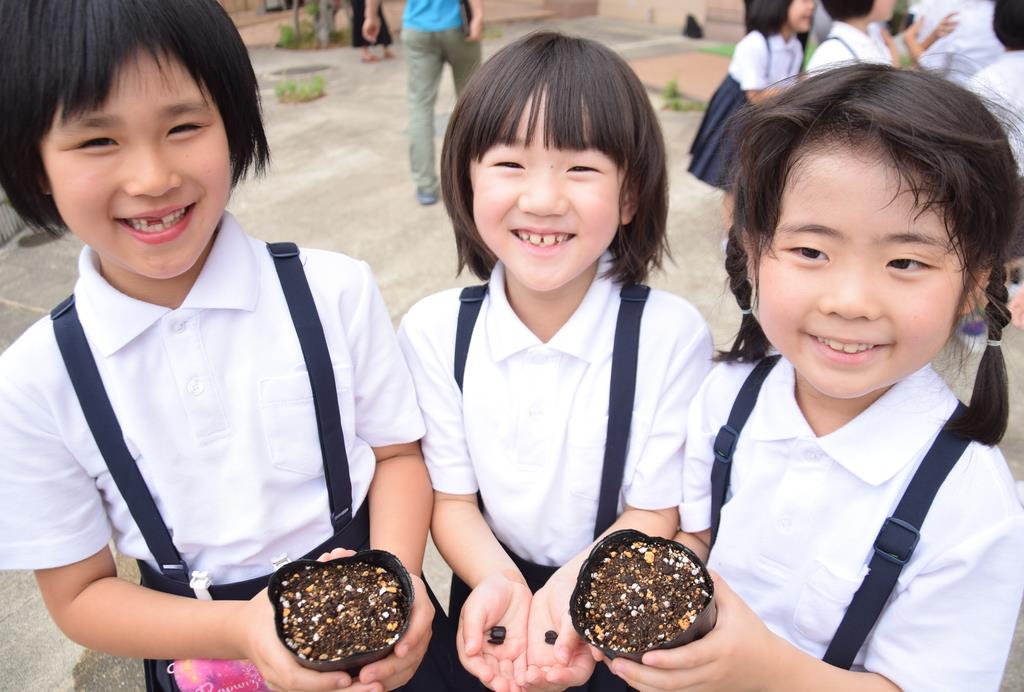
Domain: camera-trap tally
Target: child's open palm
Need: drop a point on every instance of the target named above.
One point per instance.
(568, 662)
(497, 600)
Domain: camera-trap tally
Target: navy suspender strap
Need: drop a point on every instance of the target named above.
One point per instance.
(470, 300)
(103, 423)
(894, 546)
(895, 542)
(622, 389)
(321, 378)
(99, 414)
(845, 45)
(729, 435)
(621, 392)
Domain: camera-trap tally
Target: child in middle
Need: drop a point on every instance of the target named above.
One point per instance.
(851, 38)
(557, 188)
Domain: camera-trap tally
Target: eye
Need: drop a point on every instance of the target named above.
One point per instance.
(186, 127)
(906, 264)
(507, 164)
(582, 169)
(810, 253)
(97, 142)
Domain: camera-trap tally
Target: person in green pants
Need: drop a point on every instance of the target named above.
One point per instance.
(434, 32)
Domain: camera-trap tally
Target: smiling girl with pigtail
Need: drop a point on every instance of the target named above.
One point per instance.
(865, 531)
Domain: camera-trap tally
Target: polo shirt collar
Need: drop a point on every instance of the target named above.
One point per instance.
(875, 445)
(229, 280)
(580, 337)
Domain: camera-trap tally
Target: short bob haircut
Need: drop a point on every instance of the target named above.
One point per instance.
(950, 153)
(590, 98)
(767, 16)
(841, 10)
(1009, 23)
(61, 58)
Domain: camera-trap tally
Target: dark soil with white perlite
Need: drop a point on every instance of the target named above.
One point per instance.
(636, 593)
(342, 614)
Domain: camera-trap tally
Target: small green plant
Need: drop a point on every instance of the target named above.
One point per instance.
(306, 38)
(671, 90)
(673, 99)
(291, 91)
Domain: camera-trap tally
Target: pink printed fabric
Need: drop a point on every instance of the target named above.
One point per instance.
(217, 675)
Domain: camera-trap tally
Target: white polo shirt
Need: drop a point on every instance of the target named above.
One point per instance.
(971, 46)
(529, 430)
(797, 532)
(833, 53)
(215, 404)
(759, 62)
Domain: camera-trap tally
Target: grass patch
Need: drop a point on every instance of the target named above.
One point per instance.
(723, 49)
(292, 91)
(673, 100)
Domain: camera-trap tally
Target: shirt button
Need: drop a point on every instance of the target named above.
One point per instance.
(195, 386)
(536, 411)
(179, 327)
(786, 523)
(812, 454)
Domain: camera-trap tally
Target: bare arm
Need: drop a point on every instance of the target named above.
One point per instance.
(95, 608)
(476, 24)
(400, 503)
(466, 541)
(371, 24)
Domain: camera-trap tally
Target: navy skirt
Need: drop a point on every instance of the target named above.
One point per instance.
(713, 148)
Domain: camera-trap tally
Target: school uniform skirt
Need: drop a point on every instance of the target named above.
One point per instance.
(713, 148)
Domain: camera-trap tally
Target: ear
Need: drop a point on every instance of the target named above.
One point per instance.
(627, 208)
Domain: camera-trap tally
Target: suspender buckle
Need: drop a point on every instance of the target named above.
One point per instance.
(337, 517)
(283, 250)
(200, 584)
(279, 561)
(896, 541)
(725, 443)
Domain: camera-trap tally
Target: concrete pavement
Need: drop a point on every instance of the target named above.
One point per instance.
(339, 181)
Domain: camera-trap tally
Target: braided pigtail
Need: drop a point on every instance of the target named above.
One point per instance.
(988, 413)
(750, 344)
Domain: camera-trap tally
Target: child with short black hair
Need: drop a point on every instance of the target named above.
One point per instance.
(211, 404)
(553, 394)
(865, 531)
(850, 38)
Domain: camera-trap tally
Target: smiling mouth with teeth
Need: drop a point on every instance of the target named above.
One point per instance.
(845, 347)
(542, 240)
(156, 225)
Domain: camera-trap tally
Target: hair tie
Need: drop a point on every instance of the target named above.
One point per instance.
(997, 343)
(750, 311)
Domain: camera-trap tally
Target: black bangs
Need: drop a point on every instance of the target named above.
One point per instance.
(63, 57)
(564, 86)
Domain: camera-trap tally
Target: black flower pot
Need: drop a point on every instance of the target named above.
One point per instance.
(636, 593)
(349, 591)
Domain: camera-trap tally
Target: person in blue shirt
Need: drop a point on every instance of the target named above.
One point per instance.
(434, 32)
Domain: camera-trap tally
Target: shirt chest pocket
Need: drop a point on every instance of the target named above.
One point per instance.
(289, 419)
(823, 602)
(586, 442)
